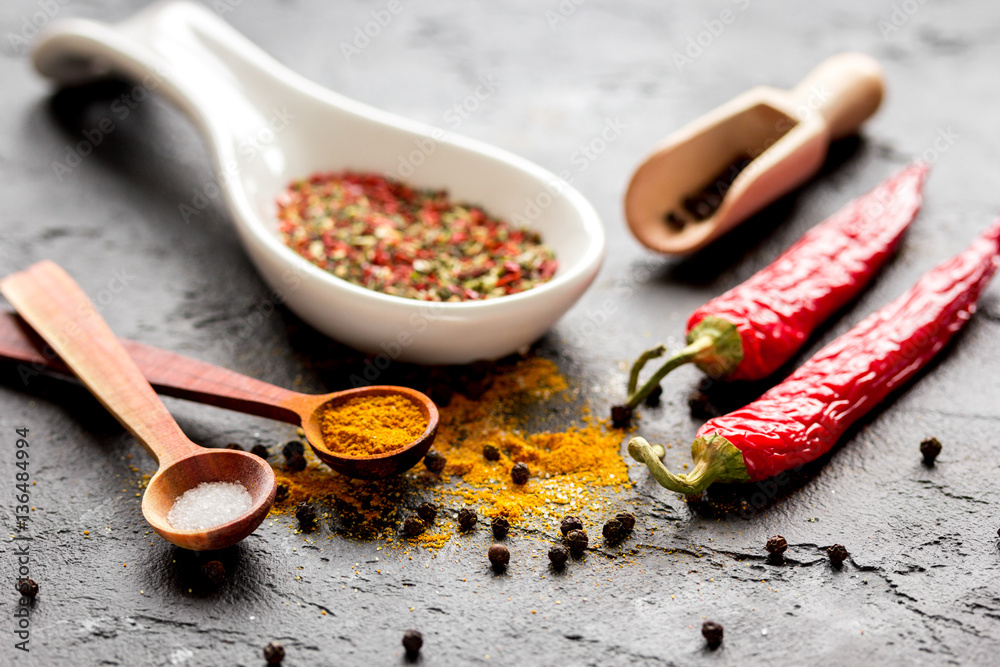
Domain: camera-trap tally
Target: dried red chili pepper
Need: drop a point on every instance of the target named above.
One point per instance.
(751, 330)
(800, 419)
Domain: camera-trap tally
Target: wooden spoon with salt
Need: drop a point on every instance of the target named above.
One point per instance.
(55, 306)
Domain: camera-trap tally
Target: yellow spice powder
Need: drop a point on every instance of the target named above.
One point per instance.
(575, 471)
(371, 425)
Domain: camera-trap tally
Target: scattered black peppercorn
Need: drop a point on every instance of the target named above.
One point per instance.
(435, 461)
(653, 399)
(627, 520)
(428, 478)
(699, 405)
(838, 554)
(280, 492)
(412, 526)
(577, 541)
(467, 518)
(274, 653)
(621, 416)
(612, 531)
(27, 587)
(293, 448)
(427, 512)
(500, 526)
(930, 448)
(296, 462)
(441, 394)
(674, 221)
(478, 370)
(519, 473)
(570, 523)
(235, 445)
(499, 557)
(558, 555)
(413, 641)
(214, 571)
(475, 389)
(306, 514)
(491, 453)
(776, 546)
(712, 632)
(703, 204)
(261, 451)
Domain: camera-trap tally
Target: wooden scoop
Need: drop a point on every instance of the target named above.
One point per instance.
(786, 134)
(60, 312)
(182, 377)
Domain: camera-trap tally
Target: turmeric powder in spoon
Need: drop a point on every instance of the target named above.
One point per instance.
(371, 425)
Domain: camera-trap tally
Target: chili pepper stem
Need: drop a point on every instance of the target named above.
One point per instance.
(714, 345)
(715, 460)
(633, 376)
(685, 356)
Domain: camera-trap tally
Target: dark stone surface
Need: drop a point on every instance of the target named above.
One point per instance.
(921, 583)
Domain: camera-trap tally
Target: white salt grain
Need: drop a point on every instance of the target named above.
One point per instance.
(208, 505)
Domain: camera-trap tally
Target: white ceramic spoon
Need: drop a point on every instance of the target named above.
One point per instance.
(268, 126)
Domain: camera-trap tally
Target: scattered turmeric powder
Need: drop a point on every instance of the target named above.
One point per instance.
(371, 425)
(572, 471)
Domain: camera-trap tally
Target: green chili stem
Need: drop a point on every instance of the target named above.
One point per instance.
(633, 376)
(685, 356)
(715, 459)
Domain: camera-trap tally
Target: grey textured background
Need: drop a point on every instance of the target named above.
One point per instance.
(922, 584)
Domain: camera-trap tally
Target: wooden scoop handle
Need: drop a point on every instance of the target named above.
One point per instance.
(845, 89)
(55, 306)
(170, 374)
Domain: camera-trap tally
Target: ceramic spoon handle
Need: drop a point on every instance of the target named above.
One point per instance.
(846, 89)
(181, 49)
(170, 374)
(56, 307)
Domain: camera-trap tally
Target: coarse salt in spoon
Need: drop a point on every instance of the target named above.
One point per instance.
(241, 97)
(55, 306)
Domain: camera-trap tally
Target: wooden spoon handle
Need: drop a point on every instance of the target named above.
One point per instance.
(55, 306)
(170, 374)
(846, 89)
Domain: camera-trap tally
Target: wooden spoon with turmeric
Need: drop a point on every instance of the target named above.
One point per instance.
(366, 433)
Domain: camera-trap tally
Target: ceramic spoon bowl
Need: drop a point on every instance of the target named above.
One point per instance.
(268, 126)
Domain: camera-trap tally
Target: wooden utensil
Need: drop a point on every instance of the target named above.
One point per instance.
(786, 133)
(60, 312)
(182, 377)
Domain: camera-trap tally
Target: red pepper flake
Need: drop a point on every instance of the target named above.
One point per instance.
(387, 236)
